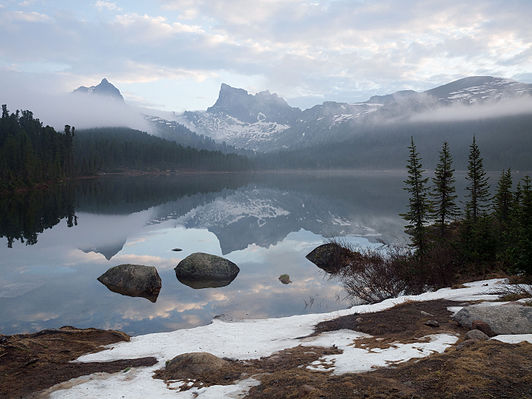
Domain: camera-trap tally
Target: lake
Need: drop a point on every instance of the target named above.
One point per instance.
(56, 243)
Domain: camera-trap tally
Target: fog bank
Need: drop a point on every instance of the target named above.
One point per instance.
(82, 111)
(466, 112)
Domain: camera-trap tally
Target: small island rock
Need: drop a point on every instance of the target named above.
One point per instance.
(285, 279)
(201, 270)
(133, 280)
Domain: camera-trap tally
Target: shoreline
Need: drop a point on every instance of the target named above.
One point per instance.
(389, 331)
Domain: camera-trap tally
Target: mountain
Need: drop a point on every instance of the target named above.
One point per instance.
(104, 88)
(264, 122)
(243, 120)
(249, 108)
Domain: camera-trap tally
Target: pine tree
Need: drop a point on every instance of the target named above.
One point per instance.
(478, 187)
(503, 199)
(524, 245)
(443, 195)
(418, 209)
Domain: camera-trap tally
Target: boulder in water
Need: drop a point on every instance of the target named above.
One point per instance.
(330, 257)
(133, 280)
(201, 270)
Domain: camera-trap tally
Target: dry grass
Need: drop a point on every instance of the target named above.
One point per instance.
(488, 369)
(33, 362)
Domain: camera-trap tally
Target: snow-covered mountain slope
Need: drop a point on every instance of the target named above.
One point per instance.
(175, 131)
(265, 122)
(224, 128)
(477, 89)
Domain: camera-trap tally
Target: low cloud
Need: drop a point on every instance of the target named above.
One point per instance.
(464, 112)
(79, 110)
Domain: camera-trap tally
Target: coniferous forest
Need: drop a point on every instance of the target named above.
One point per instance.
(493, 233)
(110, 149)
(31, 153)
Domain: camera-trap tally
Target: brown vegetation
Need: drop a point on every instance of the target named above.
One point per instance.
(402, 323)
(486, 369)
(33, 362)
(479, 370)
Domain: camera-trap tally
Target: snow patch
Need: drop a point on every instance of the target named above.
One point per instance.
(514, 339)
(357, 360)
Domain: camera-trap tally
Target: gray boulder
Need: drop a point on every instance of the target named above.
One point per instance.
(201, 270)
(194, 365)
(133, 280)
(501, 319)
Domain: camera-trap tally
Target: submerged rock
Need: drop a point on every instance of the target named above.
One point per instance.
(285, 279)
(133, 280)
(193, 365)
(201, 270)
(500, 319)
(330, 257)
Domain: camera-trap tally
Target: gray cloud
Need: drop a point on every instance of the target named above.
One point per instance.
(304, 50)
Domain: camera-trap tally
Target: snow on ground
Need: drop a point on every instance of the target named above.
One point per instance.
(514, 339)
(252, 339)
(356, 360)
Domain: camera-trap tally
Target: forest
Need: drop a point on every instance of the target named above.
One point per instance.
(115, 149)
(31, 153)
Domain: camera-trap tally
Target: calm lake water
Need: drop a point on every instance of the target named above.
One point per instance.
(56, 244)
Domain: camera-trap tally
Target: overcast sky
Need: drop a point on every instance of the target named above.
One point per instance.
(174, 54)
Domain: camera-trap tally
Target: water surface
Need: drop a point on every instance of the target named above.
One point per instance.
(55, 245)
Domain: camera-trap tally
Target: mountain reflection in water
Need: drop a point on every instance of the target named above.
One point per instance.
(264, 222)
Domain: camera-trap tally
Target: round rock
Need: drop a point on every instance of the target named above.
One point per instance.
(201, 270)
(193, 365)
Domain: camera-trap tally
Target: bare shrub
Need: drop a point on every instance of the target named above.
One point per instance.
(373, 276)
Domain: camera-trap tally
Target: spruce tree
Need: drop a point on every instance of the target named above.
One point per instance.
(503, 199)
(418, 208)
(524, 245)
(444, 208)
(478, 188)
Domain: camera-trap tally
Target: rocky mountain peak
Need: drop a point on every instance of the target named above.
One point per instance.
(263, 106)
(104, 88)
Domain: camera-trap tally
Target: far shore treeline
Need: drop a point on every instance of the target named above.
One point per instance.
(32, 154)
